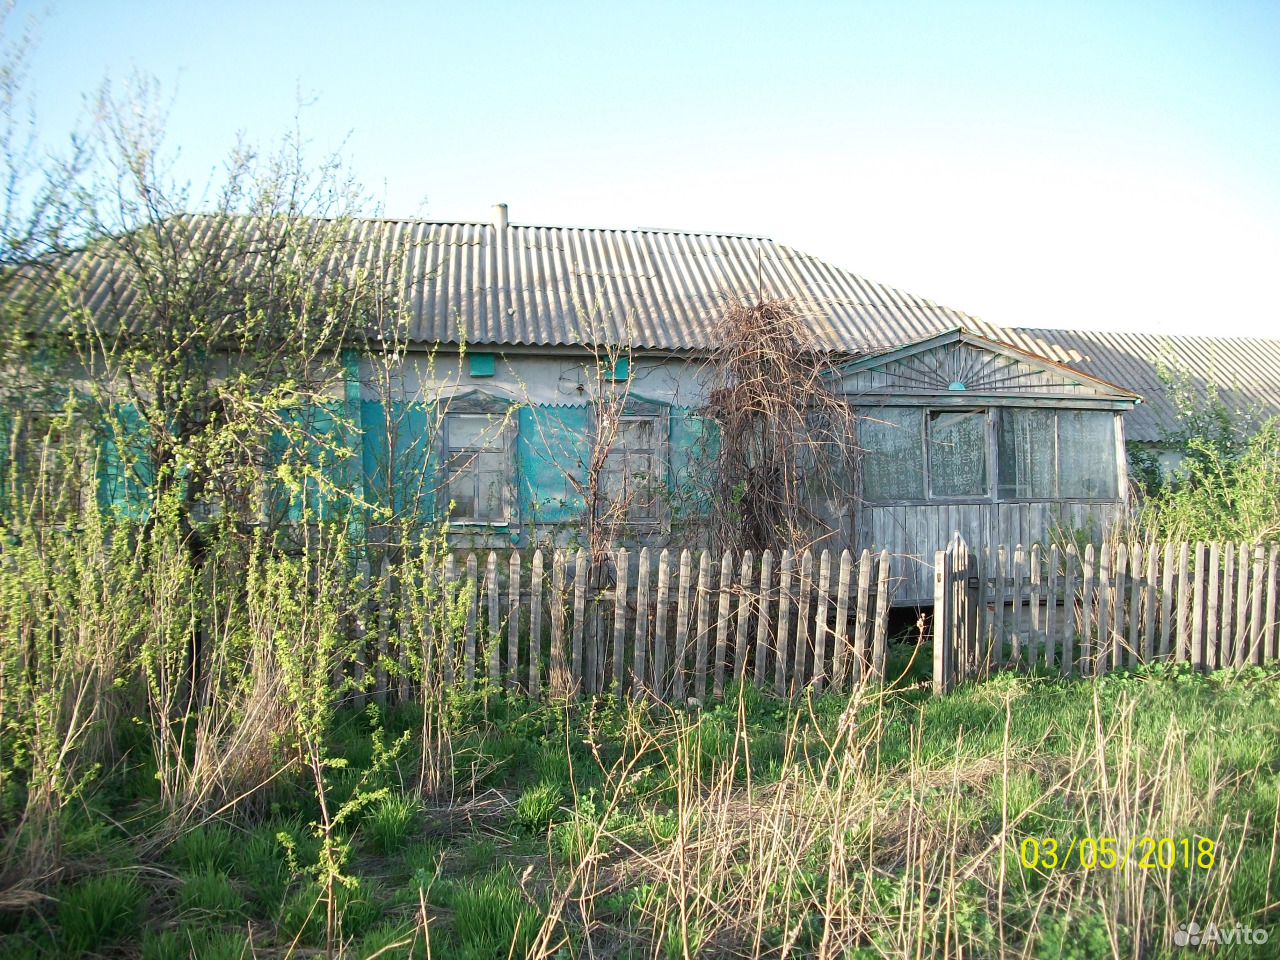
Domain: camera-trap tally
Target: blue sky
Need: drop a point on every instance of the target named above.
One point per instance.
(1112, 166)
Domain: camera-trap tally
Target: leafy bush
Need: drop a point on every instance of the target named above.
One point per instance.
(1222, 493)
(359, 908)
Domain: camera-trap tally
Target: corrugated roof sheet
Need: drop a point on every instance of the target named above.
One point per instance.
(660, 289)
(1246, 370)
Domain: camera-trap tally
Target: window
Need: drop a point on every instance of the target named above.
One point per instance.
(957, 451)
(1047, 454)
(478, 467)
(1026, 454)
(911, 453)
(1087, 454)
(634, 477)
(893, 468)
(914, 454)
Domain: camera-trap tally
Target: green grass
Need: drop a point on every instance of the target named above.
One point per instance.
(360, 904)
(100, 911)
(537, 808)
(616, 789)
(211, 846)
(491, 916)
(210, 897)
(391, 821)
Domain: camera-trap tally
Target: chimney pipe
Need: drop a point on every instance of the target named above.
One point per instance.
(500, 218)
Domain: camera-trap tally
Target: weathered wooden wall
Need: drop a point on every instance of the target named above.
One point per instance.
(913, 532)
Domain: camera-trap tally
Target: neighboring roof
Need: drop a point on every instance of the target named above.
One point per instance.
(1246, 370)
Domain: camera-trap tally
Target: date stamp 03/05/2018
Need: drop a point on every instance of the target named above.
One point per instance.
(1114, 853)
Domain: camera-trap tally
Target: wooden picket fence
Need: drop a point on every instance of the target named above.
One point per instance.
(1087, 612)
(669, 627)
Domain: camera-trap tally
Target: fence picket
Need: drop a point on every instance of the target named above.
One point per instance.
(1149, 605)
(1087, 645)
(380, 679)
(1209, 657)
(1122, 585)
(805, 591)
(879, 633)
(1017, 638)
(444, 598)
(860, 659)
(640, 644)
(661, 609)
(985, 614)
(840, 642)
(404, 682)
(784, 622)
(1106, 605)
(580, 565)
(762, 617)
(1240, 636)
(1184, 606)
(473, 604)
(1071, 563)
(1255, 608)
(1135, 605)
(820, 621)
(745, 575)
(704, 626)
(1033, 638)
(560, 683)
(682, 626)
(943, 632)
(493, 627)
(1272, 644)
(512, 669)
(1219, 644)
(722, 622)
(623, 564)
(1166, 600)
(1202, 647)
(1002, 590)
(535, 624)
(1051, 609)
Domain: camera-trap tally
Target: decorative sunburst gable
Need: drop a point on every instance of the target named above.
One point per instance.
(962, 364)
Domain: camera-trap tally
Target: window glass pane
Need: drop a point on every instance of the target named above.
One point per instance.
(461, 493)
(892, 461)
(958, 453)
(489, 497)
(1025, 454)
(632, 479)
(475, 476)
(642, 488)
(1087, 442)
(473, 430)
(635, 435)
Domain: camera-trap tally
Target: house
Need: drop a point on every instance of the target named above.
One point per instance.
(489, 414)
(515, 325)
